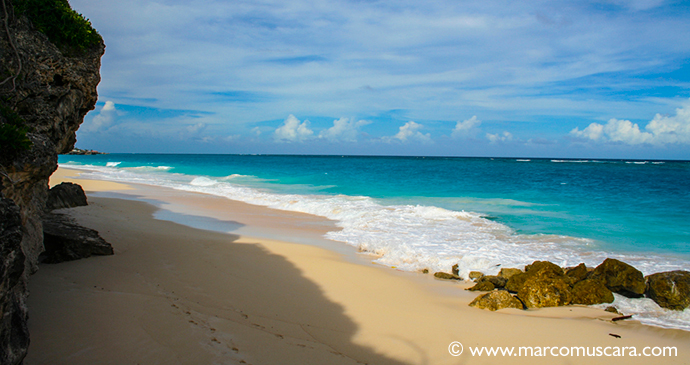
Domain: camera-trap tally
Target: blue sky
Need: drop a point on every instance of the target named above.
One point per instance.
(582, 79)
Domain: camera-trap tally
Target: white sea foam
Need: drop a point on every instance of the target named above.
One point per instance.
(648, 312)
(416, 237)
(112, 164)
(572, 161)
(149, 168)
(203, 181)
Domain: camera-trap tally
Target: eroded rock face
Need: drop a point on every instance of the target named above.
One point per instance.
(620, 278)
(14, 339)
(496, 300)
(52, 94)
(670, 289)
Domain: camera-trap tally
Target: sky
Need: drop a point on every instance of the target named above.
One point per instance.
(571, 79)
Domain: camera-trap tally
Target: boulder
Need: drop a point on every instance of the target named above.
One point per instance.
(670, 289)
(65, 195)
(543, 284)
(516, 281)
(496, 300)
(545, 290)
(482, 286)
(64, 240)
(620, 278)
(591, 291)
(497, 281)
(577, 273)
(544, 265)
(509, 272)
(455, 270)
(475, 275)
(446, 276)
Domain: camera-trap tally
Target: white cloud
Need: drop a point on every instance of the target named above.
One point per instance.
(502, 137)
(410, 132)
(466, 128)
(293, 130)
(105, 118)
(343, 130)
(196, 128)
(659, 131)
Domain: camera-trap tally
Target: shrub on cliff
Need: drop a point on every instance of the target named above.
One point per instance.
(13, 139)
(67, 29)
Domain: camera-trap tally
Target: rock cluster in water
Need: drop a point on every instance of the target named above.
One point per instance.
(544, 284)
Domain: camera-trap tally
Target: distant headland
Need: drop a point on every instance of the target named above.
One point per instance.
(78, 151)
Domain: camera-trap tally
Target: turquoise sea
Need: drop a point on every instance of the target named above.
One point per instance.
(433, 212)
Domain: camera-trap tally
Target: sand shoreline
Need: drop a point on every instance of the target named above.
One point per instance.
(176, 294)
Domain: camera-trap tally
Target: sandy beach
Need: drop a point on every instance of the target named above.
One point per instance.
(199, 279)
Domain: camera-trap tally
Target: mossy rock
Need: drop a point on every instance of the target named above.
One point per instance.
(475, 275)
(496, 300)
(591, 291)
(545, 290)
(670, 289)
(497, 281)
(482, 286)
(577, 273)
(620, 278)
(509, 272)
(446, 276)
(544, 265)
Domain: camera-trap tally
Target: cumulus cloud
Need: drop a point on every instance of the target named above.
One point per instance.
(292, 130)
(466, 128)
(343, 130)
(499, 137)
(659, 131)
(196, 128)
(105, 118)
(410, 132)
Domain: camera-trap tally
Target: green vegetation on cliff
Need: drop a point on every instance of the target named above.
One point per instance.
(67, 29)
(13, 137)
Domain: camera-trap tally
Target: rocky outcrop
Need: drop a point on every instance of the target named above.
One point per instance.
(670, 289)
(50, 93)
(66, 195)
(620, 278)
(496, 300)
(64, 240)
(78, 151)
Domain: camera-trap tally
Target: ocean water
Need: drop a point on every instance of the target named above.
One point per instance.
(480, 213)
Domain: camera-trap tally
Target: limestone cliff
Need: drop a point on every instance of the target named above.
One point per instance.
(50, 88)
